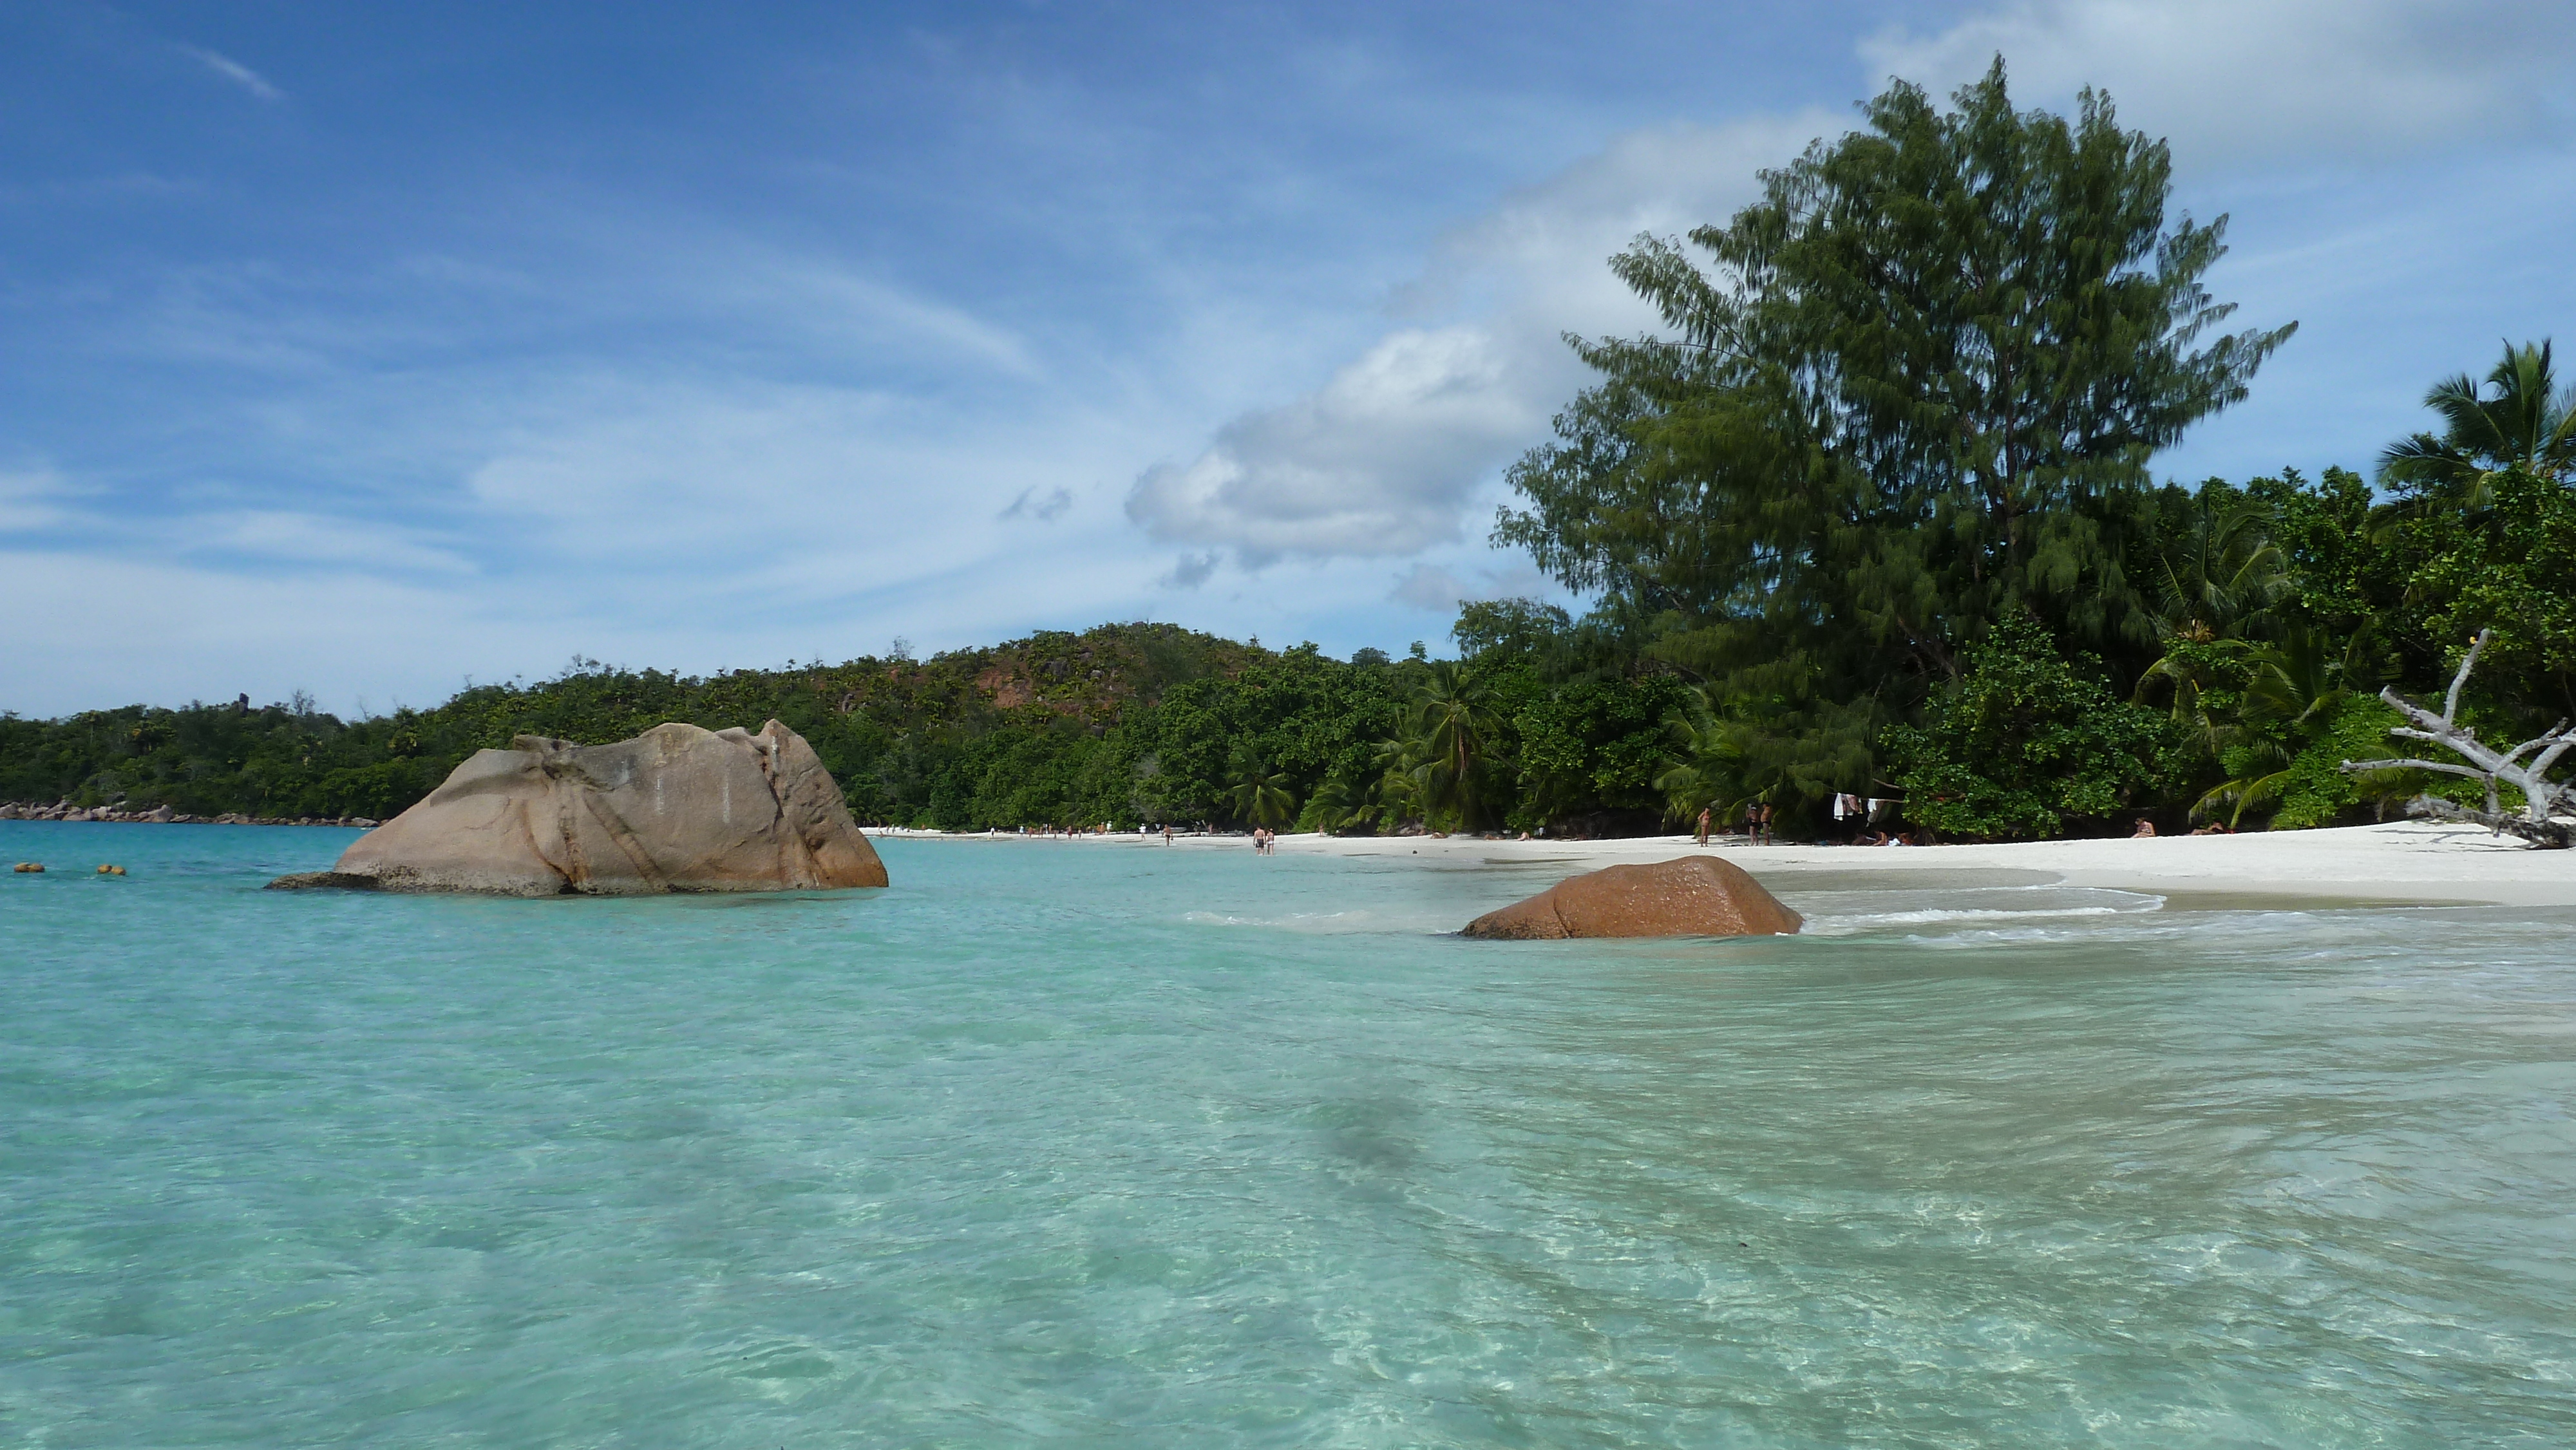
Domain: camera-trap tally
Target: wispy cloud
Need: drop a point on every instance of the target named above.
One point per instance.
(234, 71)
(2263, 84)
(833, 293)
(30, 500)
(1031, 505)
(283, 536)
(1435, 590)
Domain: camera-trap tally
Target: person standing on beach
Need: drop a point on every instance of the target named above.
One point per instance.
(1703, 825)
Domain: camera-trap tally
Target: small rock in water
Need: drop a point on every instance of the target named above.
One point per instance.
(323, 881)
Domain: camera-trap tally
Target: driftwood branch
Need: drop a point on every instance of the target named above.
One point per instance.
(2544, 835)
(2543, 800)
(2468, 662)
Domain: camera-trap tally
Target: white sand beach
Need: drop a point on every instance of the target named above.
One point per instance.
(2410, 861)
(2398, 862)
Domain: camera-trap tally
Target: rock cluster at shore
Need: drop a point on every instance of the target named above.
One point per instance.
(677, 808)
(1689, 896)
(161, 816)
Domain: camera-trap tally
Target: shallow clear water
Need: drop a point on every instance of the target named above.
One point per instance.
(1124, 1145)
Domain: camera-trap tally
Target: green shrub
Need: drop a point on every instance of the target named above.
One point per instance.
(2025, 742)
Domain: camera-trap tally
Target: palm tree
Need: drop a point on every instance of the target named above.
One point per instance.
(2529, 427)
(1449, 732)
(1708, 772)
(1398, 791)
(2198, 670)
(1337, 805)
(1260, 795)
(2215, 586)
(2295, 690)
(2224, 575)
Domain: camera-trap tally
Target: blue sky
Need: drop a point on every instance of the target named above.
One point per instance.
(364, 349)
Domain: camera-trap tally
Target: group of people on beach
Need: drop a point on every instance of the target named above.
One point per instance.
(1760, 815)
(1265, 841)
(1757, 823)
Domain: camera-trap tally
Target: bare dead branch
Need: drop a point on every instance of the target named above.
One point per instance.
(2468, 662)
(2543, 799)
(2357, 766)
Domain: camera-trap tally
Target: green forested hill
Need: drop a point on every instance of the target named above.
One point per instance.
(978, 735)
(1124, 723)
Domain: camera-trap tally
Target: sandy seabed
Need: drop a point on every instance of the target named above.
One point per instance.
(2398, 862)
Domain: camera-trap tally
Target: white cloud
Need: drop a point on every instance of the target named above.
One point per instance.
(2271, 81)
(1376, 462)
(304, 538)
(1430, 588)
(1387, 457)
(30, 500)
(236, 72)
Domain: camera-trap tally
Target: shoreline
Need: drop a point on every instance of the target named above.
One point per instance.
(2417, 863)
(2396, 863)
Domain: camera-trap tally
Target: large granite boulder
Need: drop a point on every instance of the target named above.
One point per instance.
(676, 808)
(1688, 896)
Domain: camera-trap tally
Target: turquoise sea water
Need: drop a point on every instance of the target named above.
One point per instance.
(1121, 1145)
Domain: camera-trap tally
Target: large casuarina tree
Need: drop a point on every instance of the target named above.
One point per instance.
(1910, 391)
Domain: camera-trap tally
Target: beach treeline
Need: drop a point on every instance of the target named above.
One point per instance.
(1870, 517)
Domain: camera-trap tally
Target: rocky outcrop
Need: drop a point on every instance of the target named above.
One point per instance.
(163, 815)
(1688, 896)
(676, 808)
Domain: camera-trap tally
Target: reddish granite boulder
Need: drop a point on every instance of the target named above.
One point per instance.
(1689, 896)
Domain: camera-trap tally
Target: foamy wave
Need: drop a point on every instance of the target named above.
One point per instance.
(1838, 924)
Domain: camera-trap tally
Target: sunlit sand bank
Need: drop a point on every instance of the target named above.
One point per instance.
(2411, 861)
